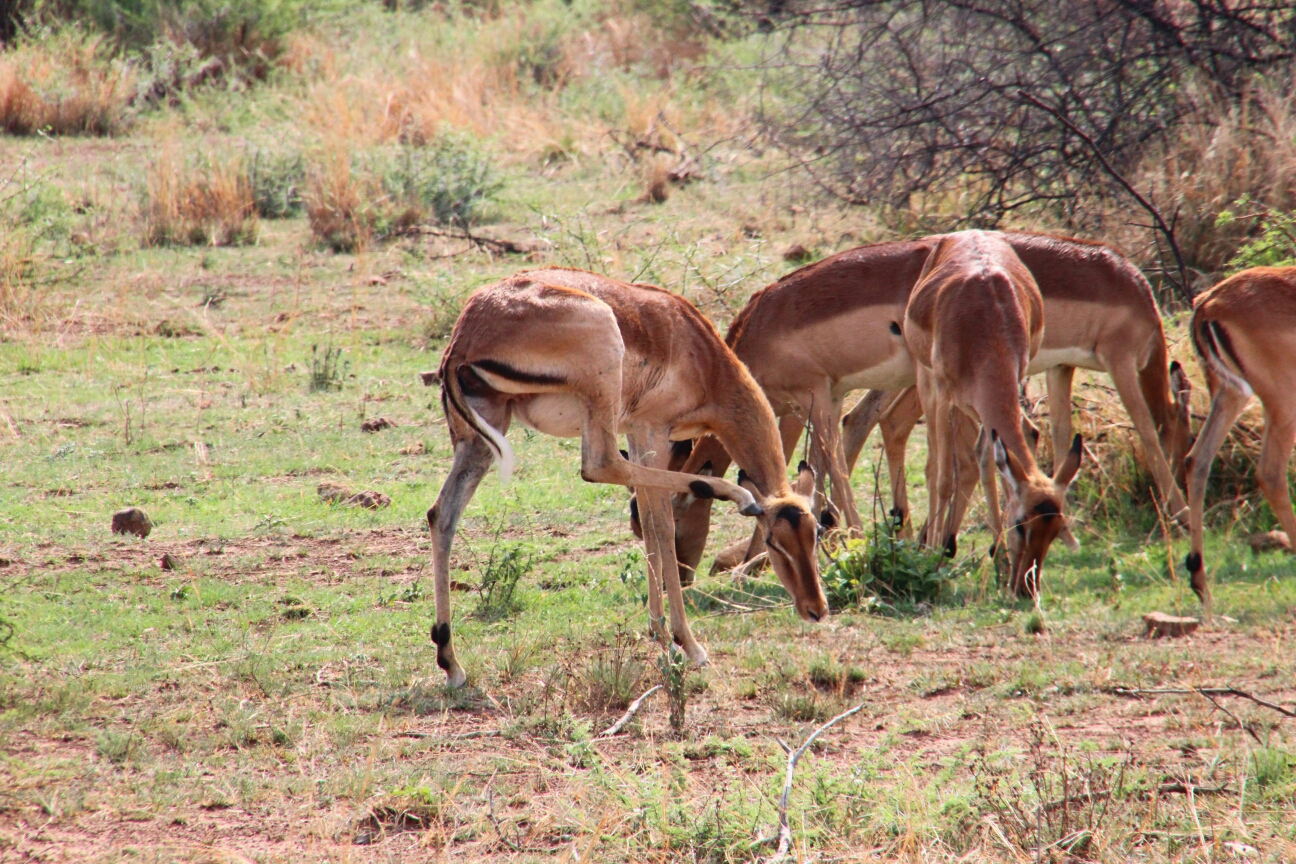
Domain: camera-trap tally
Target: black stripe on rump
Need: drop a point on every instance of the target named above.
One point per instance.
(504, 370)
(1221, 338)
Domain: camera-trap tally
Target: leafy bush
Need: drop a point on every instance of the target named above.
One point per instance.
(277, 181)
(447, 182)
(888, 567)
(1273, 246)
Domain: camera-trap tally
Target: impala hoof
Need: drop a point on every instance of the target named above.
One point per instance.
(753, 509)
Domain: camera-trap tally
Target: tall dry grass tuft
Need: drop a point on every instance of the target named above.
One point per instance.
(338, 203)
(1226, 151)
(211, 203)
(63, 83)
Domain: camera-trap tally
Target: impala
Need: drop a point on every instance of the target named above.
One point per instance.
(974, 322)
(826, 328)
(574, 354)
(1244, 331)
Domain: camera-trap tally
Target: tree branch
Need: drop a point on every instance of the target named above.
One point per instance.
(616, 727)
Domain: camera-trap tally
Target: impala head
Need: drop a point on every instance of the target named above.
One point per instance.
(791, 538)
(1036, 506)
(1176, 433)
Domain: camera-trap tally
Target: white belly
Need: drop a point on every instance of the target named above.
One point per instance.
(896, 373)
(557, 414)
(1047, 358)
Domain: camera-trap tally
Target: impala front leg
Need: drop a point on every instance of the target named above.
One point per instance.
(472, 459)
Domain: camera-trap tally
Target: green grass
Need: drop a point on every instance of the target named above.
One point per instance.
(276, 697)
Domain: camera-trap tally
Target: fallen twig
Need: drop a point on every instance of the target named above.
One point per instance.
(463, 736)
(490, 798)
(1136, 693)
(794, 756)
(616, 727)
(499, 245)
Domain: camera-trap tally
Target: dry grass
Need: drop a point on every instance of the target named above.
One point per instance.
(202, 204)
(338, 203)
(62, 84)
(1223, 153)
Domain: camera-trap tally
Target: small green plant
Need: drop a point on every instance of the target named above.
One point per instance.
(114, 746)
(800, 709)
(327, 370)
(1271, 767)
(518, 657)
(612, 677)
(1035, 625)
(673, 665)
(498, 591)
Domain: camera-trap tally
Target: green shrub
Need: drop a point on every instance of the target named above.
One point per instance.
(498, 591)
(277, 181)
(889, 568)
(447, 182)
(1273, 246)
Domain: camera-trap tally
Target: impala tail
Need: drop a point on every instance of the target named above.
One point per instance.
(452, 398)
(1215, 347)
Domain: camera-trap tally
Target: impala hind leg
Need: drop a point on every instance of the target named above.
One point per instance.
(828, 459)
(1271, 473)
(966, 472)
(472, 459)
(1226, 405)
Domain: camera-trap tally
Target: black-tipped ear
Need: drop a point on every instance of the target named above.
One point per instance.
(803, 465)
(827, 520)
(1070, 465)
(1175, 367)
(742, 477)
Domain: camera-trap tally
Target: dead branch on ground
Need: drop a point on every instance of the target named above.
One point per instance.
(616, 727)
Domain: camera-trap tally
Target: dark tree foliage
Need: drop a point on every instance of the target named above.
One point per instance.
(885, 100)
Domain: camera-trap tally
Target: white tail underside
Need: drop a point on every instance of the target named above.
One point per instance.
(506, 459)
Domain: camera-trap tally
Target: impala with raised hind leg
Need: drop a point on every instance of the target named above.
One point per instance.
(1244, 332)
(974, 322)
(574, 354)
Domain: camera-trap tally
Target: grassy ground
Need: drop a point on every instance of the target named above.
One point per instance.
(275, 697)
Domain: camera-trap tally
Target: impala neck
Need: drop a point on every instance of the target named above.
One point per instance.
(747, 429)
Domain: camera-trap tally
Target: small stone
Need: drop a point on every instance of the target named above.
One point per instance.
(796, 253)
(169, 562)
(369, 500)
(132, 520)
(377, 425)
(1160, 624)
(1269, 540)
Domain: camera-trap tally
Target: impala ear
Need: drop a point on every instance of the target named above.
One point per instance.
(754, 509)
(1009, 467)
(1069, 539)
(1070, 465)
(805, 481)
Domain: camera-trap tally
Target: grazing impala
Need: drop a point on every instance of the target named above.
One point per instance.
(974, 322)
(570, 353)
(825, 329)
(1244, 330)
(1102, 316)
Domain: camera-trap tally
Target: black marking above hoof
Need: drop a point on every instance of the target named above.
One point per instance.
(827, 520)
(951, 546)
(441, 636)
(993, 548)
(803, 465)
(1194, 562)
(898, 516)
(701, 489)
(431, 517)
(624, 455)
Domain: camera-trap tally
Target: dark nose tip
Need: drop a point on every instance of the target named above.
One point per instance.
(814, 616)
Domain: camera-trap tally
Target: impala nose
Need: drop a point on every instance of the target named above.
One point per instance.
(812, 615)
